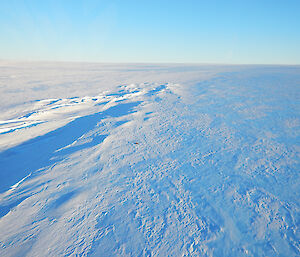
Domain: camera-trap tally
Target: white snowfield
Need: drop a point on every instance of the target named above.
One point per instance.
(149, 160)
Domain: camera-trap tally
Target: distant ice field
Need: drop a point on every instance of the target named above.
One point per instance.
(149, 160)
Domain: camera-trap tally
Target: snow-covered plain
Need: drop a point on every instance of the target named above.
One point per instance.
(149, 160)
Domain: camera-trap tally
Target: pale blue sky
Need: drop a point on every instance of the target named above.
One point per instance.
(212, 31)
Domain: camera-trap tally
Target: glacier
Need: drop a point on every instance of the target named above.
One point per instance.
(149, 159)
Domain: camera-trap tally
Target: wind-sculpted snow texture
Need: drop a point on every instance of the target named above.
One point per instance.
(201, 161)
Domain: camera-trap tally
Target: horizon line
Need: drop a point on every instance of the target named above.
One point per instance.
(141, 63)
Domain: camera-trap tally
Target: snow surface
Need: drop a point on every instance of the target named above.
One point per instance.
(149, 160)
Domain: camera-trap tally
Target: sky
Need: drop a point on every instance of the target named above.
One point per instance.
(156, 31)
